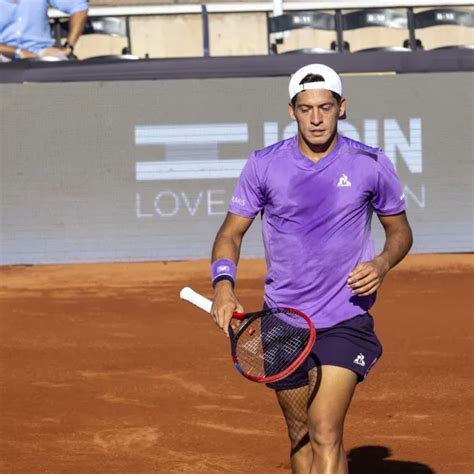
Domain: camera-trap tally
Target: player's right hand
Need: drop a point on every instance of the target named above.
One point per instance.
(224, 305)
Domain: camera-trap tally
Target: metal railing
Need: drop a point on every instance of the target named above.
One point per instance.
(268, 7)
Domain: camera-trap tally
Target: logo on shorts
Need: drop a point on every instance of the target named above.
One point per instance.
(344, 182)
(359, 360)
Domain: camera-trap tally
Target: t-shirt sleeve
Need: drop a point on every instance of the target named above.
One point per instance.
(388, 197)
(248, 197)
(70, 6)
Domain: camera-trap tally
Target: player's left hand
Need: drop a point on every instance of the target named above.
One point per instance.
(367, 277)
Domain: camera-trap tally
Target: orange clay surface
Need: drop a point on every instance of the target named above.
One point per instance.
(105, 370)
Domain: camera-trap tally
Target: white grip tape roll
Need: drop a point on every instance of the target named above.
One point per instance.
(187, 294)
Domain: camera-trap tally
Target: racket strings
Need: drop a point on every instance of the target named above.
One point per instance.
(271, 344)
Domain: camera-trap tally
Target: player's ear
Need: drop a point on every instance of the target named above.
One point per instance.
(342, 109)
(291, 111)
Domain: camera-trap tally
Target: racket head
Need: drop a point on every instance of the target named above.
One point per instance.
(271, 344)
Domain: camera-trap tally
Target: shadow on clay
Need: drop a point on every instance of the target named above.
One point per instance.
(373, 459)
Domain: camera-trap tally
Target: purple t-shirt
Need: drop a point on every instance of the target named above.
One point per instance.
(316, 222)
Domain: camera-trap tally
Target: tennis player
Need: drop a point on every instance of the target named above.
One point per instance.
(316, 193)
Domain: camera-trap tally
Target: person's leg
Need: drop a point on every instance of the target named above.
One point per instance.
(330, 392)
(294, 404)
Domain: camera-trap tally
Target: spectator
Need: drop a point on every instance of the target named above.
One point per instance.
(25, 31)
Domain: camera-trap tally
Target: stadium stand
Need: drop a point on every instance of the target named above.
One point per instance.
(343, 25)
(108, 26)
(383, 23)
(156, 29)
(295, 21)
(451, 24)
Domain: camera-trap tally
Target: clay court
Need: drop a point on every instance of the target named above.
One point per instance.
(105, 370)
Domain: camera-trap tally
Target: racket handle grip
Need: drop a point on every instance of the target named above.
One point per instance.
(188, 294)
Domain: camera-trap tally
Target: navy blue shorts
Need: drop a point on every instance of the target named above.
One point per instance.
(351, 344)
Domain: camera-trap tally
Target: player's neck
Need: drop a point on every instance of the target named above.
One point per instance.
(317, 152)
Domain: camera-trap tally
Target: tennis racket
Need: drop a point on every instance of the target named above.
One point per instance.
(268, 345)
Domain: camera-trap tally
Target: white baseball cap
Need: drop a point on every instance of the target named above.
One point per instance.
(331, 80)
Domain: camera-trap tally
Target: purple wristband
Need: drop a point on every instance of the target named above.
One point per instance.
(223, 269)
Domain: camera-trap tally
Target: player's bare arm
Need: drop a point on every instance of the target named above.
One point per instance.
(367, 277)
(227, 246)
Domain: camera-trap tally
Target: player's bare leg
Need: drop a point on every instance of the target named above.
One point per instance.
(294, 404)
(331, 391)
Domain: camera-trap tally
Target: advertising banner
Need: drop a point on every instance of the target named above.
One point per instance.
(144, 170)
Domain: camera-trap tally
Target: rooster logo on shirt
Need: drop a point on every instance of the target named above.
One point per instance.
(344, 182)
